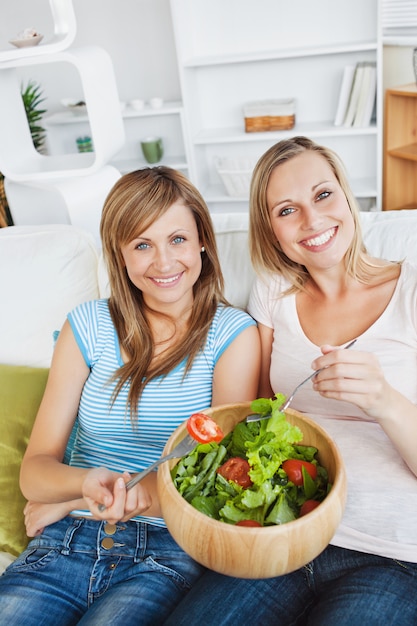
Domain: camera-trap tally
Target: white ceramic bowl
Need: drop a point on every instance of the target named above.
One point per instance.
(248, 552)
(77, 107)
(137, 104)
(28, 42)
(156, 103)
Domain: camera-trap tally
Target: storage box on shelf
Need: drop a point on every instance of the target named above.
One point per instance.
(269, 115)
(236, 175)
(400, 148)
(280, 52)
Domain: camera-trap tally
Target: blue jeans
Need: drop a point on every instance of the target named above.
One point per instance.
(339, 588)
(83, 571)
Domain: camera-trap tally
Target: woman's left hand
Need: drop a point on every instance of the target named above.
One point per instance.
(101, 486)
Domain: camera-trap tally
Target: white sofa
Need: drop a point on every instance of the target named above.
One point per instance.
(46, 270)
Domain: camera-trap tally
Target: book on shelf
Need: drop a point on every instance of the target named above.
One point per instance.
(345, 89)
(354, 94)
(367, 97)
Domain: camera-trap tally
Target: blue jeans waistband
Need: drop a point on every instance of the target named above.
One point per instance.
(80, 534)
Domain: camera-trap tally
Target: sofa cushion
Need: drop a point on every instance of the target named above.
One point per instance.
(391, 235)
(21, 390)
(44, 272)
(232, 241)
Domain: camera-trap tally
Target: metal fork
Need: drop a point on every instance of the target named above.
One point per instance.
(256, 417)
(181, 449)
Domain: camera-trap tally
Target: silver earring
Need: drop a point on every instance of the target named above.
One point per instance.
(203, 249)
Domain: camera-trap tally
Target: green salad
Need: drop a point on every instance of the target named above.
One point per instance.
(258, 475)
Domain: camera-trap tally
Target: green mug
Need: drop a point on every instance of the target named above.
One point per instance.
(152, 148)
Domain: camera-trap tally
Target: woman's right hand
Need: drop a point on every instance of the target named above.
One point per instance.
(102, 486)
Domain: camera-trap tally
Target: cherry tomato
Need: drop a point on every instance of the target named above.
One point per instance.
(307, 506)
(292, 467)
(236, 469)
(248, 522)
(204, 429)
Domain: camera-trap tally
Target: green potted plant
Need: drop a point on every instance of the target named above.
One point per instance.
(32, 99)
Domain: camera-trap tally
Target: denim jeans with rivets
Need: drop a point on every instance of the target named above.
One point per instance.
(82, 571)
(339, 588)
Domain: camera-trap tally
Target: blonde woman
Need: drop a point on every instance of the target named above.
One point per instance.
(130, 369)
(317, 290)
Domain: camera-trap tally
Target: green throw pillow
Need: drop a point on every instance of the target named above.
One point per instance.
(21, 391)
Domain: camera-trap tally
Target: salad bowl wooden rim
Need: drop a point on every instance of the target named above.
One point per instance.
(248, 552)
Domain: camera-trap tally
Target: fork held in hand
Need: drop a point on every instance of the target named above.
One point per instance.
(290, 399)
(181, 449)
(256, 417)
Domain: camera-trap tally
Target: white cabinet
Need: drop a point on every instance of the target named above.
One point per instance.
(237, 51)
(64, 128)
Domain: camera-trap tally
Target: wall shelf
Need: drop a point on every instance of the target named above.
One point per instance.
(65, 28)
(405, 152)
(167, 121)
(66, 117)
(313, 129)
(272, 55)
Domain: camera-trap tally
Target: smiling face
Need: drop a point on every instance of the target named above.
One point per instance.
(310, 214)
(164, 261)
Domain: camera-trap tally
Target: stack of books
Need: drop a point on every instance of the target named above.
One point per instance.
(357, 95)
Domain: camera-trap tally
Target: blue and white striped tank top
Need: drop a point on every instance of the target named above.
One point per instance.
(105, 436)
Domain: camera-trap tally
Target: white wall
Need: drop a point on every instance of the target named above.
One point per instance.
(398, 66)
(136, 33)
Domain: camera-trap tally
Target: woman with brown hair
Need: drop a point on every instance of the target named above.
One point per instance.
(129, 369)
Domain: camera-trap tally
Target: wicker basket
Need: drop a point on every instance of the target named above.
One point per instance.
(235, 174)
(267, 115)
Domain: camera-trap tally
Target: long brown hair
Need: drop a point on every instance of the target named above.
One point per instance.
(266, 253)
(136, 201)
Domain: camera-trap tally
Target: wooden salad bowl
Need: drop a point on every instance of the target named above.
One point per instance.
(248, 552)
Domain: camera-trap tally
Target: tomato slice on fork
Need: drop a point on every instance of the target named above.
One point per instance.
(203, 428)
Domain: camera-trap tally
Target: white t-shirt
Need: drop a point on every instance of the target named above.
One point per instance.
(381, 510)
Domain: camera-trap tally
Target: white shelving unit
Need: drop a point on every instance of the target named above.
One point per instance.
(234, 52)
(231, 53)
(167, 122)
(63, 188)
(19, 160)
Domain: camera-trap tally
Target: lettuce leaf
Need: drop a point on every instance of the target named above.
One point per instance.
(275, 442)
(282, 511)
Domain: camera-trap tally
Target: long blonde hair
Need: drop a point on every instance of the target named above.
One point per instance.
(266, 253)
(136, 201)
